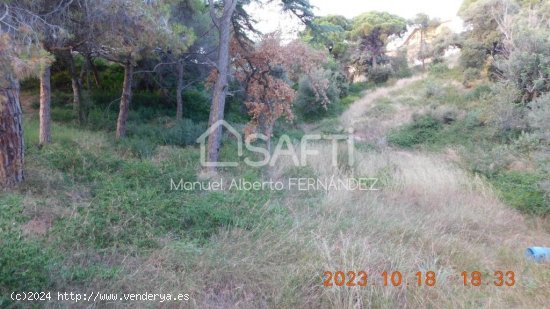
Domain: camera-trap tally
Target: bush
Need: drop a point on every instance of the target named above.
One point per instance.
(470, 75)
(539, 117)
(446, 114)
(521, 190)
(423, 129)
(143, 138)
(433, 89)
(62, 99)
(61, 81)
(196, 105)
(479, 92)
(473, 119)
(380, 74)
(185, 132)
(490, 161)
(400, 65)
(138, 146)
(30, 84)
(526, 67)
(308, 103)
(62, 114)
(472, 55)
(439, 68)
(507, 116)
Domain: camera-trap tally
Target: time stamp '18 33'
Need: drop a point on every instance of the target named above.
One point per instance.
(498, 278)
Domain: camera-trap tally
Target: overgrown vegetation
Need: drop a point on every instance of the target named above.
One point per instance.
(459, 151)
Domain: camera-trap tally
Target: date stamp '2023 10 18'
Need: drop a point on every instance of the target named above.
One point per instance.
(498, 278)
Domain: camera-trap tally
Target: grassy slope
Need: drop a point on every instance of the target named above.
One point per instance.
(92, 215)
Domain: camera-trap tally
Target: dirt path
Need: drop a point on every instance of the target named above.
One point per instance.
(441, 213)
(373, 127)
(358, 109)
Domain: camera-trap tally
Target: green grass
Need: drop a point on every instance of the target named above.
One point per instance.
(486, 150)
(521, 191)
(124, 190)
(425, 129)
(126, 206)
(24, 263)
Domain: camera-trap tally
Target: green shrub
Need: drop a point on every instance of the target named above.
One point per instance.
(101, 119)
(473, 119)
(490, 160)
(61, 81)
(539, 117)
(438, 68)
(380, 74)
(400, 65)
(507, 116)
(35, 104)
(521, 190)
(526, 67)
(62, 114)
(61, 99)
(358, 88)
(470, 75)
(184, 133)
(145, 137)
(423, 129)
(139, 147)
(309, 104)
(479, 92)
(30, 84)
(77, 163)
(196, 105)
(433, 89)
(473, 55)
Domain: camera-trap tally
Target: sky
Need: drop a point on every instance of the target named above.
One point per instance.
(270, 19)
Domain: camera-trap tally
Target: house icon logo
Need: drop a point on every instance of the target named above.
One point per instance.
(203, 140)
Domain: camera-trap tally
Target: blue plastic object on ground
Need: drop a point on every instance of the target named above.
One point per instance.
(539, 254)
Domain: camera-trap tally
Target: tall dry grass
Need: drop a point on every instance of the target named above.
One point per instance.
(429, 215)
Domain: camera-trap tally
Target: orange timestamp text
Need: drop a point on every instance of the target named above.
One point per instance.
(340, 278)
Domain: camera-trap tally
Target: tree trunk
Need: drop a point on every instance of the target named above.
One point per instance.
(77, 90)
(179, 91)
(91, 65)
(85, 72)
(125, 100)
(45, 136)
(11, 132)
(220, 88)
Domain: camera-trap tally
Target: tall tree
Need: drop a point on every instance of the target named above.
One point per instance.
(222, 18)
(424, 23)
(45, 135)
(230, 16)
(189, 18)
(51, 39)
(483, 39)
(330, 32)
(373, 30)
(129, 30)
(21, 55)
(11, 126)
(269, 70)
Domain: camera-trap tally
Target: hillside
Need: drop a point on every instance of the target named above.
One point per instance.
(94, 217)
